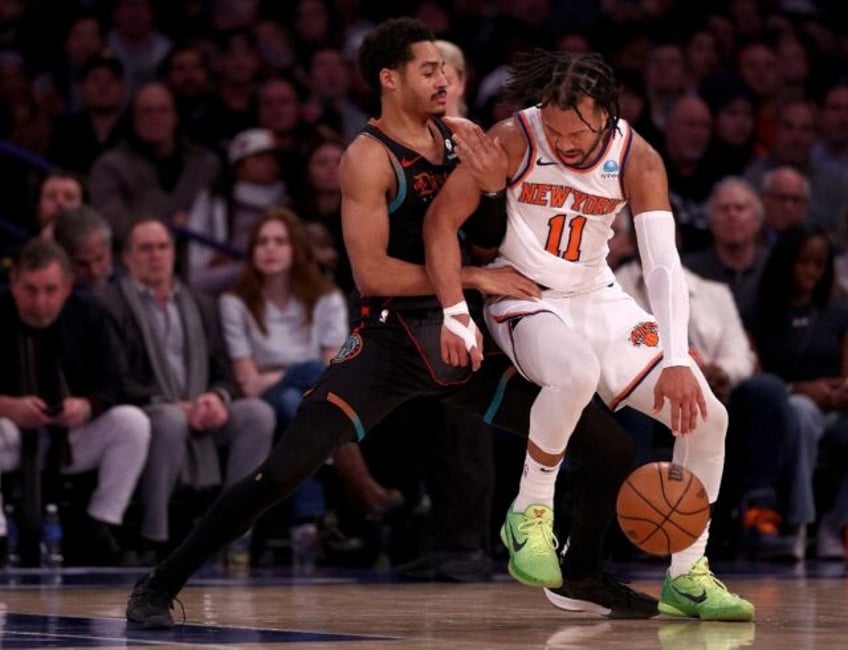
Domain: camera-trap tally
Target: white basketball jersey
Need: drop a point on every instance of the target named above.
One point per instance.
(560, 218)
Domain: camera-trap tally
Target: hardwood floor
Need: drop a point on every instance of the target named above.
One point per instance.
(797, 608)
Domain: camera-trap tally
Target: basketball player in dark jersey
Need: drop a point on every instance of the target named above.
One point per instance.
(389, 175)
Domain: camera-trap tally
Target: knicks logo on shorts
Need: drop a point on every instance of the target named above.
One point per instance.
(350, 348)
(645, 333)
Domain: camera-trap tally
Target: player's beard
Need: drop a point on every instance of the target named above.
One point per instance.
(591, 152)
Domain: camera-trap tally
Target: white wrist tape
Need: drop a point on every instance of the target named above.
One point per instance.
(665, 283)
(468, 333)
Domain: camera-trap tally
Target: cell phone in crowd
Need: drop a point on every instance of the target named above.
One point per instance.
(55, 408)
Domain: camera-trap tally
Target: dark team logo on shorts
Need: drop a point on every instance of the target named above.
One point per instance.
(350, 348)
(645, 333)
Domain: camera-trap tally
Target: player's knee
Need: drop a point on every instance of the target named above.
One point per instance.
(576, 377)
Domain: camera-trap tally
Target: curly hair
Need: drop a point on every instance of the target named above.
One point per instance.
(562, 79)
(389, 46)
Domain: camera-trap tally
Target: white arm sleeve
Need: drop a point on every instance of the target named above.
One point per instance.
(665, 283)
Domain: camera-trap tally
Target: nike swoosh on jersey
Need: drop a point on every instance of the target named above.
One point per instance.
(700, 598)
(409, 162)
(542, 162)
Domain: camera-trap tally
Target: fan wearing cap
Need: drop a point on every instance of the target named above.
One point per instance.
(79, 137)
(224, 215)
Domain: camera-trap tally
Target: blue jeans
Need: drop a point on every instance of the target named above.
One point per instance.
(308, 501)
(285, 396)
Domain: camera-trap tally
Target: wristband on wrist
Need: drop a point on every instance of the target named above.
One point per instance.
(493, 195)
(468, 333)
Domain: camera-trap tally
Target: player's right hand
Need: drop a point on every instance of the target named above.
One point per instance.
(454, 352)
(506, 281)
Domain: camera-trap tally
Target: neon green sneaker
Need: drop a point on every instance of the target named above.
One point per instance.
(698, 594)
(529, 538)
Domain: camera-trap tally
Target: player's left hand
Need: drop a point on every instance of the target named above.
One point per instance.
(679, 386)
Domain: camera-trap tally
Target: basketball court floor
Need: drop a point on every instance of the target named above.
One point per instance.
(798, 607)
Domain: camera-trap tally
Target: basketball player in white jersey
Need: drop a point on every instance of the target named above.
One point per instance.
(566, 166)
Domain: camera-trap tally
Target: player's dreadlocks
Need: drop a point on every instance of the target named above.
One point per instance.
(562, 79)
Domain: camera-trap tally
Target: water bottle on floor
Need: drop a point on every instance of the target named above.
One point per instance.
(13, 558)
(304, 546)
(51, 538)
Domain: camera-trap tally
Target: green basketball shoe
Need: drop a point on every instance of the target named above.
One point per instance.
(698, 594)
(529, 538)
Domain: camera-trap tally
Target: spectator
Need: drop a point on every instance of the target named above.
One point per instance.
(690, 179)
(314, 27)
(756, 65)
(831, 145)
(80, 136)
(320, 207)
(700, 53)
(733, 144)
(155, 171)
(86, 238)
(136, 42)
(328, 104)
(274, 44)
(279, 110)
(24, 121)
(177, 372)
(665, 82)
(186, 73)
(793, 66)
(227, 213)
(457, 79)
(58, 85)
(233, 105)
(786, 196)
(283, 324)
(58, 190)
(735, 257)
(800, 334)
(61, 375)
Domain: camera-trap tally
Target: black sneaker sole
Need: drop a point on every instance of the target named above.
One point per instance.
(160, 622)
(576, 605)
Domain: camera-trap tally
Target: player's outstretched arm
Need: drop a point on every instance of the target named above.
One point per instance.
(646, 186)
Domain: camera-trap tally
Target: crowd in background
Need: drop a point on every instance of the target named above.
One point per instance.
(180, 160)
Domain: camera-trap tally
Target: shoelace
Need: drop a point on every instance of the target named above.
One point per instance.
(159, 597)
(548, 536)
(703, 572)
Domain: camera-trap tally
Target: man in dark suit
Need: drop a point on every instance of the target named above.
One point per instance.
(177, 372)
(59, 377)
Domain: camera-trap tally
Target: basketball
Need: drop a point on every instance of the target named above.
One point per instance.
(662, 508)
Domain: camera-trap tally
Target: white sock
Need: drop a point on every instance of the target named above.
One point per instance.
(537, 484)
(682, 562)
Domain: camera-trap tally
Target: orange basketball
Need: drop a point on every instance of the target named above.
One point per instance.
(662, 508)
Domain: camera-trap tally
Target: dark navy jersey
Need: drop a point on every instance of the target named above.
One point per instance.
(418, 181)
